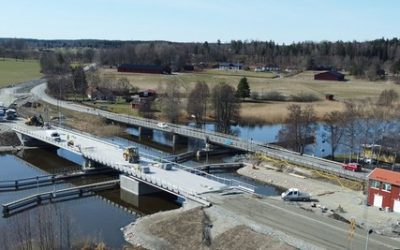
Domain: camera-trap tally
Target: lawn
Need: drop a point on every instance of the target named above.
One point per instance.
(264, 82)
(12, 71)
(269, 112)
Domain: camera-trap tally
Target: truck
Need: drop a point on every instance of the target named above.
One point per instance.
(294, 194)
(352, 166)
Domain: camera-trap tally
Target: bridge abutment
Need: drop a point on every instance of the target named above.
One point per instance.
(136, 187)
(177, 139)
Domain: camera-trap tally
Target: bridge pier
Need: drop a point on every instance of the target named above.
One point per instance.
(136, 187)
(177, 139)
(145, 132)
(89, 164)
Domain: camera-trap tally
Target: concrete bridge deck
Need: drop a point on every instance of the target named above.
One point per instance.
(181, 180)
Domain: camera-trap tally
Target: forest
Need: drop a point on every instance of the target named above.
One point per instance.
(363, 59)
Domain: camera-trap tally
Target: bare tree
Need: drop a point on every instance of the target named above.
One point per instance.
(226, 106)
(351, 128)
(171, 101)
(197, 101)
(387, 97)
(334, 124)
(300, 125)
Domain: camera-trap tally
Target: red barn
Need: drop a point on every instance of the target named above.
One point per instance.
(384, 189)
(329, 76)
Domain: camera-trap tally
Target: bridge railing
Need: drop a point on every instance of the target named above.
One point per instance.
(225, 181)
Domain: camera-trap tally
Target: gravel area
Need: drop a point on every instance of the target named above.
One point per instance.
(195, 227)
(8, 137)
(347, 203)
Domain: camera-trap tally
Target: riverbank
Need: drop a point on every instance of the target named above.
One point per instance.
(8, 139)
(338, 200)
(196, 227)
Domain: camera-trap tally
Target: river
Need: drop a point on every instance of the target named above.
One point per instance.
(97, 218)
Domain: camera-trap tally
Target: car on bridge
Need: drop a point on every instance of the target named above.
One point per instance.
(352, 166)
(162, 125)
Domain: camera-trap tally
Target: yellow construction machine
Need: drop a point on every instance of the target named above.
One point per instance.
(35, 121)
(131, 154)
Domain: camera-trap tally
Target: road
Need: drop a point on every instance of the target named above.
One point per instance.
(213, 137)
(316, 229)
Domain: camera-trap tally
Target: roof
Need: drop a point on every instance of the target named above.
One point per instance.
(335, 73)
(384, 175)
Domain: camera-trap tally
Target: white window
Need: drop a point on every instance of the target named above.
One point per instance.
(375, 184)
(387, 187)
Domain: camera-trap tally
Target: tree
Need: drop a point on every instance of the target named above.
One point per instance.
(225, 105)
(299, 126)
(80, 84)
(197, 101)
(351, 128)
(334, 125)
(387, 97)
(171, 101)
(146, 109)
(243, 88)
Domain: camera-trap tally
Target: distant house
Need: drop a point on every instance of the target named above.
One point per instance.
(144, 68)
(142, 97)
(384, 189)
(267, 68)
(329, 76)
(230, 66)
(100, 94)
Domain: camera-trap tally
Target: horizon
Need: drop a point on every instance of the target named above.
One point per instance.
(193, 21)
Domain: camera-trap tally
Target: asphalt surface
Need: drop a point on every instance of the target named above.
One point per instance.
(316, 229)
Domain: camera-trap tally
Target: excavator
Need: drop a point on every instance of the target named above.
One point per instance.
(131, 154)
(35, 121)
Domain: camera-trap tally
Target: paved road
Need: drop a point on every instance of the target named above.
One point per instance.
(213, 137)
(316, 229)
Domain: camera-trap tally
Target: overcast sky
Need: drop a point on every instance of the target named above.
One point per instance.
(283, 21)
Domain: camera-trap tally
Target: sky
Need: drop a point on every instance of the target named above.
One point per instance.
(283, 21)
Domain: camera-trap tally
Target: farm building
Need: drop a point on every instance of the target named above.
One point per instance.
(384, 189)
(143, 97)
(230, 66)
(329, 76)
(100, 94)
(141, 68)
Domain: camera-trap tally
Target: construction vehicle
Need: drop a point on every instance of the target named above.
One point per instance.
(35, 121)
(131, 154)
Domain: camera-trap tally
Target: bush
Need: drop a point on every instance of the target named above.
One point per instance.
(254, 95)
(304, 97)
(273, 96)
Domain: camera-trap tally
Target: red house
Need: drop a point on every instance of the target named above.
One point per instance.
(329, 76)
(384, 189)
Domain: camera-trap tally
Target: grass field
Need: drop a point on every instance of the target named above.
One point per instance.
(12, 71)
(269, 112)
(264, 82)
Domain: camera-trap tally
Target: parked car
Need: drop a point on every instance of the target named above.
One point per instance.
(54, 135)
(293, 194)
(162, 125)
(355, 167)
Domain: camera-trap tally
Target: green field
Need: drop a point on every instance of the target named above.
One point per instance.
(12, 71)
